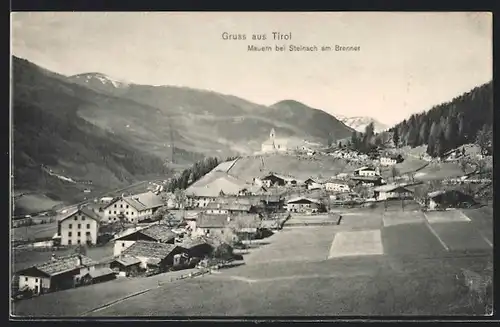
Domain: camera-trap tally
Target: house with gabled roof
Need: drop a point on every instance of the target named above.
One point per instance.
(392, 191)
(57, 274)
(157, 233)
(156, 255)
(78, 226)
(132, 208)
(337, 185)
(304, 204)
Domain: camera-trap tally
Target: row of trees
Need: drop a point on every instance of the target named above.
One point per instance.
(465, 119)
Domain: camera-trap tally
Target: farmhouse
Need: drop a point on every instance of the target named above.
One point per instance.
(273, 144)
(78, 227)
(390, 160)
(57, 274)
(229, 206)
(211, 225)
(133, 208)
(388, 192)
(198, 247)
(337, 185)
(273, 203)
(278, 180)
(367, 172)
(314, 184)
(97, 275)
(126, 265)
(448, 199)
(155, 233)
(302, 204)
(252, 190)
(156, 255)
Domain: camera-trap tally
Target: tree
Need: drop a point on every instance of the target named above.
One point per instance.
(159, 214)
(395, 137)
(423, 134)
(180, 199)
(354, 139)
(451, 133)
(484, 139)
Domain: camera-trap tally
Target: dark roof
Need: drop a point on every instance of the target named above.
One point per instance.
(303, 200)
(392, 188)
(157, 232)
(64, 264)
(189, 243)
(127, 260)
(150, 250)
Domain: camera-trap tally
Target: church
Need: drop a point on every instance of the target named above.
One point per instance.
(273, 144)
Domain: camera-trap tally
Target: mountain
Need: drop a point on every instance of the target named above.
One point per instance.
(360, 123)
(94, 127)
(450, 124)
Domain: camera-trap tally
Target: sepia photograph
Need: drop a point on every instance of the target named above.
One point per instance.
(251, 164)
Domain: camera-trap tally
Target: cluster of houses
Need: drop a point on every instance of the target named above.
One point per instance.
(382, 159)
(217, 209)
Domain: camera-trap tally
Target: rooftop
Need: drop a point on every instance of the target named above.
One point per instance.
(301, 198)
(391, 187)
(127, 260)
(144, 201)
(212, 221)
(226, 184)
(64, 264)
(150, 250)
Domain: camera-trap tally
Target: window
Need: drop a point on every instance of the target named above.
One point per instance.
(83, 217)
(127, 206)
(79, 226)
(69, 234)
(132, 213)
(25, 279)
(109, 211)
(126, 212)
(123, 245)
(88, 226)
(78, 241)
(114, 212)
(36, 280)
(70, 226)
(121, 205)
(78, 234)
(76, 218)
(87, 233)
(69, 242)
(115, 205)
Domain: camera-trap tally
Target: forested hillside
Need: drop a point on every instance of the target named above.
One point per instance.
(465, 119)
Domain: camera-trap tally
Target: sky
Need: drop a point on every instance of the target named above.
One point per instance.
(407, 62)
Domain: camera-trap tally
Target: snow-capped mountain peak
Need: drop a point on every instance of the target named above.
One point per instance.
(360, 123)
(102, 78)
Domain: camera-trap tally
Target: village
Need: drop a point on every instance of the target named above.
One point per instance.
(213, 223)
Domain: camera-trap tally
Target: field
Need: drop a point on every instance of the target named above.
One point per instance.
(40, 231)
(300, 167)
(34, 203)
(413, 271)
(440, 171)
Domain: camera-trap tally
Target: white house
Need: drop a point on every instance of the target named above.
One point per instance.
(133, 208)
(273, 144)
(303, 204)
(337, 185)
(79, 226)
(314, 184)
(388, 192)
(367, 172)
(57, 274)
(389, 160)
